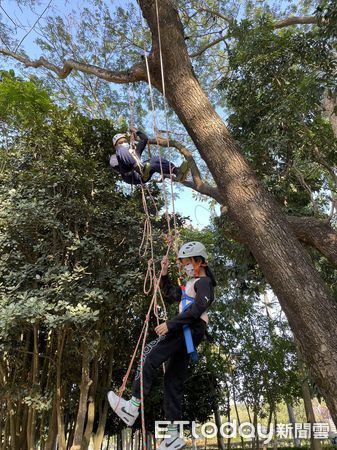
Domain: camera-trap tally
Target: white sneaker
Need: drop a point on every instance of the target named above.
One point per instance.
(173, 443)
(123, 408)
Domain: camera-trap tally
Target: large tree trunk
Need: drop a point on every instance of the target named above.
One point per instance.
(309, 307)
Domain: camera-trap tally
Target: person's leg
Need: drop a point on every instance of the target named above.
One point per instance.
(155, 353)
(134, 178)
(158, 164)
(174, 379)
(176, 372)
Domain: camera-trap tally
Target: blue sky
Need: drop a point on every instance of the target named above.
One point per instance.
(185, 204)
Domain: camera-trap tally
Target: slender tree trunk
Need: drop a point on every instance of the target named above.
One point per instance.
(90, 423)
(292, 420)
(1, 433)
(1, 429)
(237, 415)
(7, 435)
(70, 433)
(52, 430)
(265, 446)
(47, 419)
(309, 307)
(84, 390)
(22, 423)
(34, 380)
(314, 443)
(59, 408)
(255, 444)
(119, 441)
(99, 435)
(248, 412)
(91, 407)
(23, 433)
(217, 416)
(12, 427)
(275, 428)
(228, 415)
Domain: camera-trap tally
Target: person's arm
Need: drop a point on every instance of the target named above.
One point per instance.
(171, 293)
(204, 297)
(113, 162)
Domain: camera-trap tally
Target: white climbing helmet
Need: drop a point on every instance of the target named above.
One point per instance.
(118, 136)
(193, 248)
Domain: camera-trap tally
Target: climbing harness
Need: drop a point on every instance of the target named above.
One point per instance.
(187, 302)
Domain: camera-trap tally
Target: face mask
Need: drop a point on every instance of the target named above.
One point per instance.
(189, 269)
(124, 146)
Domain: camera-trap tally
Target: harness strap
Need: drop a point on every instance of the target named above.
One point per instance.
(186, 329)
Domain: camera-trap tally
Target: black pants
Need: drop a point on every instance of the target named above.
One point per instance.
(172, 348)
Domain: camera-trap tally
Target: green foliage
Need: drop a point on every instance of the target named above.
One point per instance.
(327, 15)
(274, 89)
(69, 238)
(23, 104)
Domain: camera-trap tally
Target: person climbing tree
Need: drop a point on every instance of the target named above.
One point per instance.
(177, 339)
(127, 161)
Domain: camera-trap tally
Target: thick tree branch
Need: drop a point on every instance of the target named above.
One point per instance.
(300, 20)
(135, 73)
(309, 230)
(316, 233)
(205, 189)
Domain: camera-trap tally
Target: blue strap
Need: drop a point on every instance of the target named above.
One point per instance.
(186, 329)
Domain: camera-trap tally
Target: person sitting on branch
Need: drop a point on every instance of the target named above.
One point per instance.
(177, 339)
(127, 161)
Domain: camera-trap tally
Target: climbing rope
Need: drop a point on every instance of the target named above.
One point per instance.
(151, 280)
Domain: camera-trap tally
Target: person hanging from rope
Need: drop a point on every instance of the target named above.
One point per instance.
(177, 339)
(127, 160)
